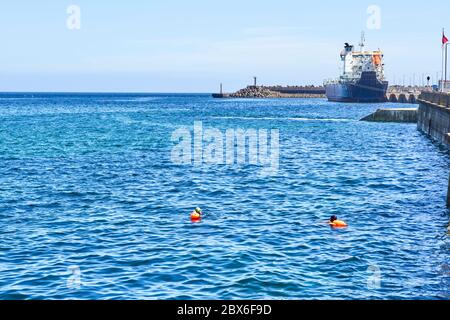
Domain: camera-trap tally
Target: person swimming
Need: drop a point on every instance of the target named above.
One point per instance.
(196, 215)
(335, 222)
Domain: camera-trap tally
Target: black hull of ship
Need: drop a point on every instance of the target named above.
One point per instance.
(367, 90)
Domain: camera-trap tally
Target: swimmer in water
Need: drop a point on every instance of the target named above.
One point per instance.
(334, 222)
(196, 214)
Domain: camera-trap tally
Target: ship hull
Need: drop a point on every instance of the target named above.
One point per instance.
(367, 90)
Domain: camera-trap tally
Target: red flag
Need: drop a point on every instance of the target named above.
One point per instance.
(444, 39)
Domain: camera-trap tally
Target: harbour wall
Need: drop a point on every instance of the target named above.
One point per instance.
(434, 120)
(406, 115)
(293, 90)
(276, 92)
(434, 116)
(395, 94)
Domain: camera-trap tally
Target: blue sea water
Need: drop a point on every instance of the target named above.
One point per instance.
(92, 207)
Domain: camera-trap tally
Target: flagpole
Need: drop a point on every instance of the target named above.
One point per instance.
(446, 69)
(443, 63)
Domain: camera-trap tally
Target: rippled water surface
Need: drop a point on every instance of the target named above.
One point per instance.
(92, 207)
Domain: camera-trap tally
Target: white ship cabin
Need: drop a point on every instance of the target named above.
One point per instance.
(356, 62)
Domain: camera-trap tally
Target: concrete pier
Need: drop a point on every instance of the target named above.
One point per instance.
(406, 94)
(221, 95)
(434, 120)
(434, 116)
(405, 115)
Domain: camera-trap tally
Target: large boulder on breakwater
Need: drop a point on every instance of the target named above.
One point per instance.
(255, 92)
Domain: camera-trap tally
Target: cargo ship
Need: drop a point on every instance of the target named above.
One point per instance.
(362, 79)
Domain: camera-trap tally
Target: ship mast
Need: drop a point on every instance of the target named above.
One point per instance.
(363, 40)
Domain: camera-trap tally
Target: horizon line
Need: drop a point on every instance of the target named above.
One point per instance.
(99, 92)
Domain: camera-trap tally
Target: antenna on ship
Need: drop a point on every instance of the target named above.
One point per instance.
(363, 40)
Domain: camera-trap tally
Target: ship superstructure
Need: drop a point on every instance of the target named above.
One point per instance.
(362, 78)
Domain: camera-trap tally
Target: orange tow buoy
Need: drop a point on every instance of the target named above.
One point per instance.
(338, 224)
(335, 223)
(195, 217)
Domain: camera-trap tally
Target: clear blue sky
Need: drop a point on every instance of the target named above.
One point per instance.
(192, 46)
